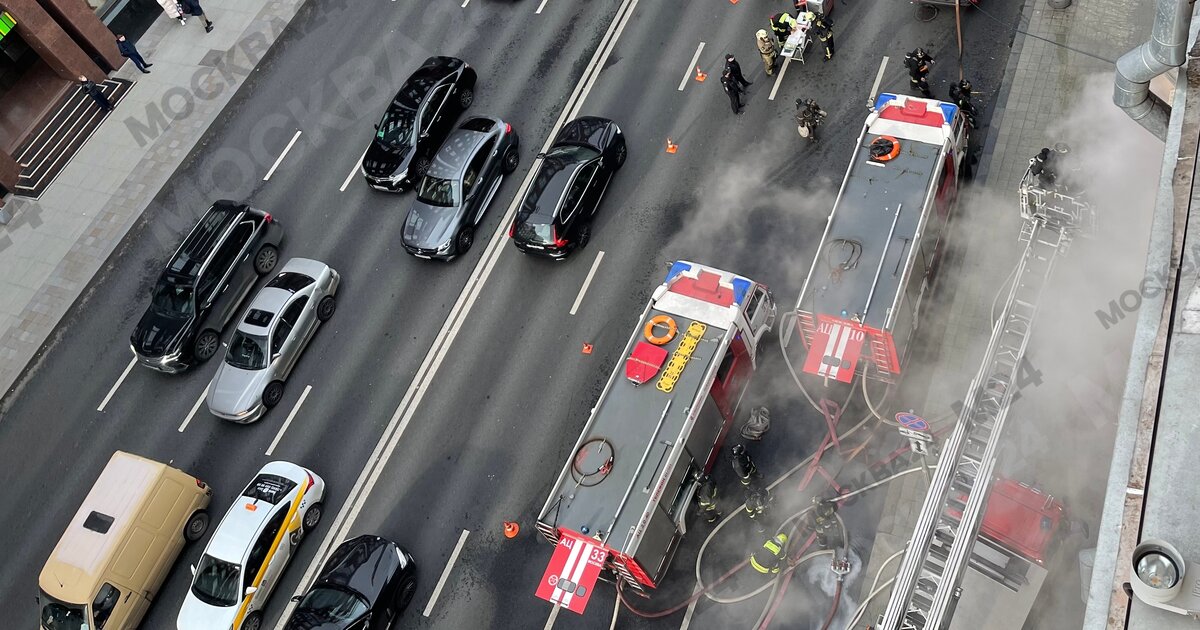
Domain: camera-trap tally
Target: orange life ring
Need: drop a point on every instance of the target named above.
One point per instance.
(884, 148)
(655, 322)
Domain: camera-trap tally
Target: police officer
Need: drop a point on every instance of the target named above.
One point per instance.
(734, 89)
(823, 26)
(735, 69)
(918, 62)
(782, 24)
(743, 466)
(756, 506)
(767, 559)
(706, 498)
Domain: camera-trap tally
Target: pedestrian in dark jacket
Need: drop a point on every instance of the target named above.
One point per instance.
(192, 7)
(735, 69)
(130, 52)
(733, 89)
(93, 90)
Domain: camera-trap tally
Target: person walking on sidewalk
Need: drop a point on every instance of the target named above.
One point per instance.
(766, 50)
(94, 91)
(735, 69)
(173, 10)
(130, 52)
(192, 7)
(733, 89)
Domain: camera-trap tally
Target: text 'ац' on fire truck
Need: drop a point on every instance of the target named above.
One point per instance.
(881, 242)
(619, 505)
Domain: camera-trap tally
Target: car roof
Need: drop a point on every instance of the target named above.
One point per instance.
(199, 243)
(270, 300)
(460, 146)
(553, 177)
(242, 523)
(414, 90)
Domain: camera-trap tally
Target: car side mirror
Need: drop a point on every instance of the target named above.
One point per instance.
(250, 590)
(539, 156)
(193, 569)
(296, 598)
(275, 357)
(376, 126)
(424, 134)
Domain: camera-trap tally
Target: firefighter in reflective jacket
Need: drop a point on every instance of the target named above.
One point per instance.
(782, 24)
(743, 466)
(757, 499)
(706, 498)
(770, 556)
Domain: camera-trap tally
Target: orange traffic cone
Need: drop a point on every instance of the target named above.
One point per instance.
(511, 529)
(733, 1)
(587, 348)
(671, 146)
(700, 75)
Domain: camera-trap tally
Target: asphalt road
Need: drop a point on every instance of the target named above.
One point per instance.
(499, 417)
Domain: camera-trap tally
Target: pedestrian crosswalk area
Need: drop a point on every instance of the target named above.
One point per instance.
(50, 148)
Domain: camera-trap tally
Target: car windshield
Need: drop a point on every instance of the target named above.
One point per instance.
(396, 128)
(436, 192)
(216, 582)
(58, 615)
(173, 299)
(246, 351)
(329, 605)
(572, 153)
(535, 232)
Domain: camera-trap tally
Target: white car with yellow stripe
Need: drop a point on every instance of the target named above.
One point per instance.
(250, 548)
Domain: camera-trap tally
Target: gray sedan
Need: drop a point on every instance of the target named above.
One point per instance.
(456, 190)
(270, 338)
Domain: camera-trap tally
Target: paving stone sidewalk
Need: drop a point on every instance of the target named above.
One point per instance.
(54, 245)
(1043, 80)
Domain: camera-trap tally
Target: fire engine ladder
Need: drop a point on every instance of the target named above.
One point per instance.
(927, 583)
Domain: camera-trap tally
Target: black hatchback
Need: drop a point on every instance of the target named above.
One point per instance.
(204, 283)
(416, 123)
(365, 585)
(555, 217)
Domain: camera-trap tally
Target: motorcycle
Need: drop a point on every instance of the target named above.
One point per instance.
(809, 116)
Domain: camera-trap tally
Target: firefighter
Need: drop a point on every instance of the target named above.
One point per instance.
(706, 498)
(823, 520)
(782, 24)
(767, 559)
(756, 506)
(743, 466)
(1043, 165)
(766, 50)
(918, 62)
(823, 26)
(960, 94)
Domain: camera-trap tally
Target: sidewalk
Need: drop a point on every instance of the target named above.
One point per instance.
(1044, 82)
(53, 246)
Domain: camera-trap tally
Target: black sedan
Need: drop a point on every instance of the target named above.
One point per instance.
(453, 196)
(366, 584)
(555, 217)
(416, 123)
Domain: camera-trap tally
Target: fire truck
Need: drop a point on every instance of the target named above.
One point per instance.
(619, 505)
(881, 242)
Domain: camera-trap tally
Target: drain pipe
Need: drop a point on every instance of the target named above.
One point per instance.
(1166, 49)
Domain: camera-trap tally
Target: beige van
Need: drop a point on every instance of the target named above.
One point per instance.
(115, 554)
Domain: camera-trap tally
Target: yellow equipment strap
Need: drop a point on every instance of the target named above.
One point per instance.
(290, 525)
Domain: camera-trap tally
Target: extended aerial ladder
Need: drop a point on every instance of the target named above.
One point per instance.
(927, 584)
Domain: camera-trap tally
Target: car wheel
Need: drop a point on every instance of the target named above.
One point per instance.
(511, 159)
(619, 156)
(207, 343)
(585, 235)
(266, 259)
(404, 596)
(312, 516)
(196, 526)
(272, 394)
(466, 97)
(253, 621)
(325, 308)
(420, 167)
(464, 240)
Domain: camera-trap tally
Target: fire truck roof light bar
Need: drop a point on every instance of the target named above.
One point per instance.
(637, 473)
(882, 257)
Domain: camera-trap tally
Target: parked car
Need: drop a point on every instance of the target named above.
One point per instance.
(453, 196)
(555, 217)
(204, 283)
(250, 548)
(365, 585)
(268, 342)
(416, 122)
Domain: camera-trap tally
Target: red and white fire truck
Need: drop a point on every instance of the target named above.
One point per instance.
(620, 503)
(882, 240)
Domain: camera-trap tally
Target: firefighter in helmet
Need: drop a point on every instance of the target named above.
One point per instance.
(960, 94)
(782, 24)
(706, 498)
(768, 559)
(757, 500)
(743, 465)
(824, 519)
(918, 62)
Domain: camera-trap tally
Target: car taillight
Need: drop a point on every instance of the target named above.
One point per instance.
(201, 484)
(267, 218)
(507, 128)
(558, 242)
(512, 227)
(311, 481)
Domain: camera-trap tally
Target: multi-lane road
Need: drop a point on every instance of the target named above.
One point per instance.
(445, 397)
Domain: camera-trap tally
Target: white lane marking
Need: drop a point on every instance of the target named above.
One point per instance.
(554, 608)
(437, 590)
(691, 609)
(356, 498)
(288, 422)
(691, 66)
(357, 165)
(779, 78)
(540, 7)
(195, 407)
(878, 78)
(464, 4)
(281, 155)
(112, 391)
(586, 282)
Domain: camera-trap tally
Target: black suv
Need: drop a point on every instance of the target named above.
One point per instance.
(416, 123)
(203, 285)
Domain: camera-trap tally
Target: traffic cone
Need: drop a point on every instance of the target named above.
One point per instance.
(733, 1)
(700, 75)
(587, 348)
(671, 146)
(511, 529)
